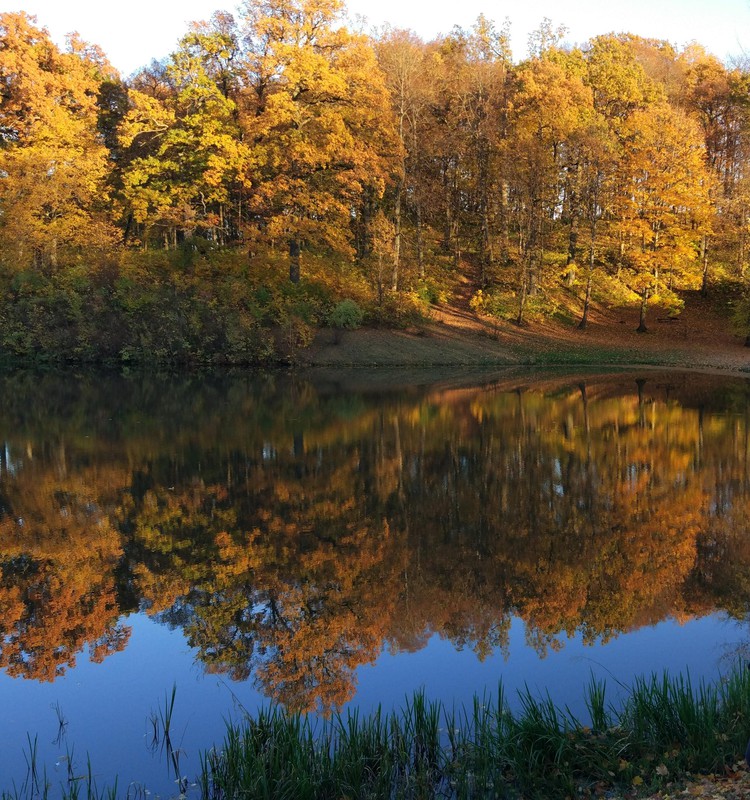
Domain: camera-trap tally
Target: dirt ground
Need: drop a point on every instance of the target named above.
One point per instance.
(733, 785)
(453, 335)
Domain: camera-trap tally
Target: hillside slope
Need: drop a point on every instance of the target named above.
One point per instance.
(454, 335)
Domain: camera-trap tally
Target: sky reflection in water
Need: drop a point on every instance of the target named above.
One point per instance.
(387, 535)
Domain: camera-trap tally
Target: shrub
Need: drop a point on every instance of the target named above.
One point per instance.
(431, 294)
(346, 315)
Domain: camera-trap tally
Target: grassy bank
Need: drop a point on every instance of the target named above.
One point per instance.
(172, 309)
(667, 729)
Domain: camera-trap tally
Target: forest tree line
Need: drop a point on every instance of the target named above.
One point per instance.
(278, 162)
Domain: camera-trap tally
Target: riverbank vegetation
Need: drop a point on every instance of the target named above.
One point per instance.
(664, 734)
(666, 730)
(218, 207)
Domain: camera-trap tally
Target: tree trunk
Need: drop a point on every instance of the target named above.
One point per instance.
(380, 279)
(589, 277)
(642, 323)
(536, 254)
(420, 241)
(586, 303)
(504, 202)
(704, 262)
(523, 294)
(399, 194)
(570, 261)
(294, 260)
(128, 226)
(572, 257)
(486, 255)
(396, 237)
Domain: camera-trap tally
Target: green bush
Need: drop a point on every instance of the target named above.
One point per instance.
(346, 315)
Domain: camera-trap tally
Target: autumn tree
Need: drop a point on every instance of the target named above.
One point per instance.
(404, 60)
(484, 103)
(53, 164)
(595, 152)
(663, 208)
(551, 107)
(317, 119)
(186, 158)
(717, 97)
(618, 81)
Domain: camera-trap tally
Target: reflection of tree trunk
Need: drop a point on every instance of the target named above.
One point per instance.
(299, 444)
(62, 460)
(745, 453)
(586, 424)
(640, 383)
(294, 260)
(399, 458)
(585, 401)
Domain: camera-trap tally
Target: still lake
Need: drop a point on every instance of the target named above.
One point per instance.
(333, 541)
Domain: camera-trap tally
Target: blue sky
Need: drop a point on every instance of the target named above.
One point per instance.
(132, 34)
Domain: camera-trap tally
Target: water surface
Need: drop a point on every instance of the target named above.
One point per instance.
(327, 544)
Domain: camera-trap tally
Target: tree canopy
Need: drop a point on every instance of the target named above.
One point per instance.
(277, 142)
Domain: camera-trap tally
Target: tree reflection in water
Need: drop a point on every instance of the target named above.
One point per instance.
(292, 533)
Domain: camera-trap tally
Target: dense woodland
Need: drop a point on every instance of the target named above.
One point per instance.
(221, 204)
(294, 533)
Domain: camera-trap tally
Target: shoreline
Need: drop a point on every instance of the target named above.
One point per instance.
(379, 349)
